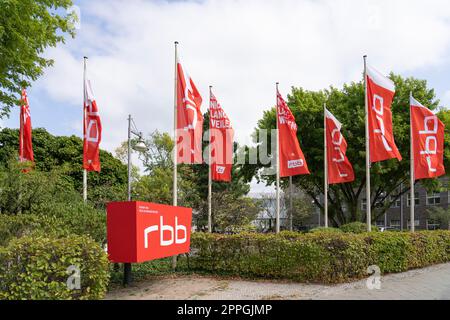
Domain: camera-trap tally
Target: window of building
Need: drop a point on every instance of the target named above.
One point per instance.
(416, 223)
(396, 223)
(396, 203)
(363, 204)
(416, 199)
(433, 198)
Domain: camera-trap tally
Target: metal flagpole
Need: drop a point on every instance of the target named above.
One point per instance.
(127, 268)
(278, 168)
(412, 196)
(209, 169)
(368, 198)
(175, 147)
(84, 115)
(325, 162)
(291, 206)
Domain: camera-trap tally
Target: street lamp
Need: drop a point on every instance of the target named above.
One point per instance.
(140, 146)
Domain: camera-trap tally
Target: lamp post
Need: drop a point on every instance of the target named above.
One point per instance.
(140, 146)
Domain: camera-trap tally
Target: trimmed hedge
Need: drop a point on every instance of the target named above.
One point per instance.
(357, 227)
(36, 267)
(79, 222)
(323, 257)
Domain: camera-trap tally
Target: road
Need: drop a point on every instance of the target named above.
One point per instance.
(432, 283)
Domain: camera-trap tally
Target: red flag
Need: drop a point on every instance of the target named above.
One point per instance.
(340, 169)
(25, 139)
(292, 160)
(428, 142)
(189, 119)
(380, 91)
(92, 131)
(222, 135)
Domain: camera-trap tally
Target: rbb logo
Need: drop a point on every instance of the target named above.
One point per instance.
(174, 231)
(220, 169)
(431, 144)
(336, 139)
(92, 131)
(379, 101)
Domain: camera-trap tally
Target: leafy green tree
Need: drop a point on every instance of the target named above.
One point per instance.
(35, 194)
(157, 184)
(56, 152)
(27, 28)
(347, 104)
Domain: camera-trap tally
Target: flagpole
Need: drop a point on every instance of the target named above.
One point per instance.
(325, 162)
(291, 206)
(278, 168)
(175, 147)
(84, 118)
(209, 169)
(368, 198)
(412, 195)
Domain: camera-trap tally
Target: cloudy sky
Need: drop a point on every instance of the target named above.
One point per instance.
(241, 47)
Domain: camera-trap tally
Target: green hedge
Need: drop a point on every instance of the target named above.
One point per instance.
(36, 267)
(323, 257)
(75, 220)
(357, 227)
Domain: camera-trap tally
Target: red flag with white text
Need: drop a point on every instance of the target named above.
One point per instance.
(25, 132)
(292, 160)
(189, 119)
(428, 142)
(92, 129)
(222, 135)
(380, 93)
(340, 169)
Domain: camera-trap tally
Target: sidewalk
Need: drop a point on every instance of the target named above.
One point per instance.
(429, 283)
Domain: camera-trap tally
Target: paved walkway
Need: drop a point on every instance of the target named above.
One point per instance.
(429, 284)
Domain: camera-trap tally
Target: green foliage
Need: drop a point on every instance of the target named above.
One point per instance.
(320, 257)
(347, 104)
(357, 227)
(232, 210)
(440, 215)
(36, 268)
(72, 219)
(45, 201)
(65, 155)
(18, 226)
(27, 29)
(325, 230)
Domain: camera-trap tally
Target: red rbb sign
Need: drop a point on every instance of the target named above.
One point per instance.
(141, 231)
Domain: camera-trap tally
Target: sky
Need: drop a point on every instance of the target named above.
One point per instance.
(240, 47)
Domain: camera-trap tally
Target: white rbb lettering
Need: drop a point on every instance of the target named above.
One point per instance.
(162, 228)
(378, 100)
(92, 132)
(337, 142)
(431, 140)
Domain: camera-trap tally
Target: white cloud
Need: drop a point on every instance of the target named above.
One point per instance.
(240, 47)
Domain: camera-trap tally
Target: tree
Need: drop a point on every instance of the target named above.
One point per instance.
(27, 28)
(348, 106)
(229, 199)
(157, 184)
(56, 152)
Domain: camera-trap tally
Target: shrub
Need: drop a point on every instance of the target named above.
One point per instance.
(325, 257)
(12, 227)
(323, 229)
(36, 267)
(59, 221)
(357, 227)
